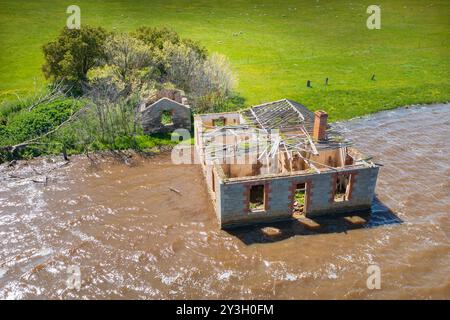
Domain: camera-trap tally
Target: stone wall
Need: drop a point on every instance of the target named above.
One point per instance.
(233, 201)
(231, 196)
(151, 116)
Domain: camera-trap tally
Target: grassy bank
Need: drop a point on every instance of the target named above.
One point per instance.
(274, 47)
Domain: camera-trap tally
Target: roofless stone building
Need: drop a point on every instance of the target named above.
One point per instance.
(277, 161)
(170, 104)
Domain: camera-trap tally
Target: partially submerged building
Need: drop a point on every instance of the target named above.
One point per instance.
(277, 161)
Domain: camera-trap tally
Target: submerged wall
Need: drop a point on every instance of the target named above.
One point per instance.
(231, 196)
(232, 204)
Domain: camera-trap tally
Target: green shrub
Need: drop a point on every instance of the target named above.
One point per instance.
(22, 125)
(26, 125)
(156, 38)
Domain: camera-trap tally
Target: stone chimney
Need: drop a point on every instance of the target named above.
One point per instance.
(173, 94)
(320, 125)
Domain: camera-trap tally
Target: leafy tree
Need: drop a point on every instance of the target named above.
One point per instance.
(73, 54)
(127, 55)
(157, 38)
(200, 50)
(127, 64)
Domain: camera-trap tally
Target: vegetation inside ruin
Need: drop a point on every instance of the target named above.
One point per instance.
(300, 197)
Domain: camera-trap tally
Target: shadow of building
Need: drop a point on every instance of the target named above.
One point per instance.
(379, 215)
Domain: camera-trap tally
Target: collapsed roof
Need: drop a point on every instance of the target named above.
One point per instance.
(285, 115)
(265, 130)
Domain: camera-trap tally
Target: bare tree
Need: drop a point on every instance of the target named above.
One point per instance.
(115, 111)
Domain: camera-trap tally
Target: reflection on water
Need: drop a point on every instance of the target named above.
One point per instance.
(379, 215)
(133, 237)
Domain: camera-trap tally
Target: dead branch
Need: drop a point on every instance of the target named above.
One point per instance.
(55, 93)
(38, 173)
(92, 160)
(122, 156)
(39, 181)
(12, 163)
(175, 190)
(13, 176)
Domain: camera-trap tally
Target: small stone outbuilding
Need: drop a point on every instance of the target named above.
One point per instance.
(171, 102)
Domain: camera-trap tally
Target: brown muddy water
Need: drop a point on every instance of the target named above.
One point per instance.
(134, 238)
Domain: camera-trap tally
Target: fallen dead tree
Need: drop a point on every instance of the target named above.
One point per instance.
(34, 175)
(57, 91)
(35, 140)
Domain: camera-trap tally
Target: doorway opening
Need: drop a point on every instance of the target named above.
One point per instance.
(342, 187)
(299, 199)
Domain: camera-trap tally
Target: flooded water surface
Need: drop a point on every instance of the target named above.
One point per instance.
(148, 231)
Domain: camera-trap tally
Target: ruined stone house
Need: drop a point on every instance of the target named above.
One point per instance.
(277, 161)
(170, 105)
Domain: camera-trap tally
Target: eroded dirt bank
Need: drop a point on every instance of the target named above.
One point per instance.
(133, 237)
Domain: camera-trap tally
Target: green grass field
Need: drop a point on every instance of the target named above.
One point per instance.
(274, 46)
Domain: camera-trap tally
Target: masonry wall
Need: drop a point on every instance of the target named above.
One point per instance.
(230, 118)
(151, 117)
(362, 192)
(231, 197)
(214, 187)
(233, 201)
